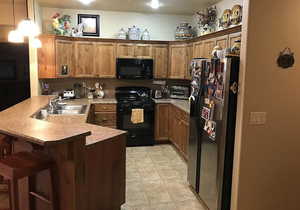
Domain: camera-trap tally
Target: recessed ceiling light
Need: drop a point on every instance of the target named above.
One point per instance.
(154, 4)
(86, 2)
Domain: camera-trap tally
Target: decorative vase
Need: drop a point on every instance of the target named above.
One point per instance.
(122, 34)
(146, 35)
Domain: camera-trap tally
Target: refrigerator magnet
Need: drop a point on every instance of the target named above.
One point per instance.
(205, 114)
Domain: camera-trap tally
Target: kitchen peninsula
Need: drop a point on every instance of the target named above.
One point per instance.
(90, 159)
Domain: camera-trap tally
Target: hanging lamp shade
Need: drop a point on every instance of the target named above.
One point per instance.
(28, 28)
(15, 36)
(36, 43)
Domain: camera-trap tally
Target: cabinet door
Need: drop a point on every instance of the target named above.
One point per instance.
(105, 60)
(143, 51)
(222, 41)
(162, 122)
(161, 58)
(178, 61)
(46, 57)
(233, 38)
(125, 50)
(84, 55)
(184, 128)
(64, 57)
(208, 46)
(198, 50)
(190, 56)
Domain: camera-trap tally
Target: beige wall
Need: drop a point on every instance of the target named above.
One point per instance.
(161, 27)
(268, 157)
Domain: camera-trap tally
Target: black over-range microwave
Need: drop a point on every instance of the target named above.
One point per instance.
(131, 68)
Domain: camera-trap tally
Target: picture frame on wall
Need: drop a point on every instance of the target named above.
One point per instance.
(91, 24)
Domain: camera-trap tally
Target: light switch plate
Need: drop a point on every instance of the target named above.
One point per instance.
(258, 118)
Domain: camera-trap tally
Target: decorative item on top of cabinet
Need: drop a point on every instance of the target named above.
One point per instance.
(184, 31)
(178, 61)
(161, 59)
(236, 16)
(162, 122)
(225, 21)
(122, 34)
(134, 33)
(146, 35)
(125, 50)
(61, 24)
(105, 62)
(234, 37)
(84, 57)
(64, 58)
(207, 20)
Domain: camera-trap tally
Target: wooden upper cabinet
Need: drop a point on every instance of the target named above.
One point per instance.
(233, 38)
(6, 15)
(162, 122)
(190, 56)
(222, 41)
(105, 59)
(143, 51)
(46, 58)
(64, 51)
(84, 56)
(178, 61)
(208, 46)
(161, 57)
(125, 50)
(198, 51)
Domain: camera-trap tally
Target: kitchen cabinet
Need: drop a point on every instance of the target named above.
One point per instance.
(233, 37)
(46, 58)
(64, 54)
(143, 51)
(198, 49)
(84, 59)
(125, 50)
(161, 58)
(105, 59)
(208, 46)
(105, 115)
(179, 129)
(190, 56)
(178, 61)
(222, 41)
(6, 15)
(162, 122)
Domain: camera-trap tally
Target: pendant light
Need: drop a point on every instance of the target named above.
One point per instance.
(15, 36)
(28, 27)
(154, 4)
(36, 43)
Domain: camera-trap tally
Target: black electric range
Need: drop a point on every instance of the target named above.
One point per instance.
(139, 134)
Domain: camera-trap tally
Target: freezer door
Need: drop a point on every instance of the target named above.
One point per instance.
(218, 113)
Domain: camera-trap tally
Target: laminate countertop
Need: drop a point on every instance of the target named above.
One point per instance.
(17, 121)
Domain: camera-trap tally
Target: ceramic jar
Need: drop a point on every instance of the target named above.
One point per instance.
(122, 34)
(134, 33)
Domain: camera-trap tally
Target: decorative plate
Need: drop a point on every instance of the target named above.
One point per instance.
(236, 16)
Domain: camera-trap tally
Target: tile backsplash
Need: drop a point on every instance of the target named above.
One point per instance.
(109, 85)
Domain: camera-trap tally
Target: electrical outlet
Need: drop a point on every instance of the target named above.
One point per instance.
(258, 118)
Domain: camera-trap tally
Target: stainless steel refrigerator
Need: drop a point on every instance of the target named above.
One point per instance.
(212, 129)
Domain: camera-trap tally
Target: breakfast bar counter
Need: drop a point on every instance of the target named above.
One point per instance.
(90, 160)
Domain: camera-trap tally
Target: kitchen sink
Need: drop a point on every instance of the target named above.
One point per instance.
(70, 109)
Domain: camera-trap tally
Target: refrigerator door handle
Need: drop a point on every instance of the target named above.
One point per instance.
(234, 88)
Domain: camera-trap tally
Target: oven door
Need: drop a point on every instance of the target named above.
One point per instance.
(140, 134)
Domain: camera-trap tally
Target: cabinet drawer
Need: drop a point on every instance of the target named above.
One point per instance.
(105, 119)
(105, 108)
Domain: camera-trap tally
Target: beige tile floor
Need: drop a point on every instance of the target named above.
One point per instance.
(156, 180)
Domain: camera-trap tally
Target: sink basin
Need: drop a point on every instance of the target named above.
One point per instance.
(71, 109)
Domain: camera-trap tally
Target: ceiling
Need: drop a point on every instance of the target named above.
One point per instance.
(179, 7)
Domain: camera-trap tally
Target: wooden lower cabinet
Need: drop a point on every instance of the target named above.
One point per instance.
(171, 123)
(104, 115)
(162, 122)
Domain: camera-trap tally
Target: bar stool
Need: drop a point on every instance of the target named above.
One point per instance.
(25, 164)
(5, 150)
